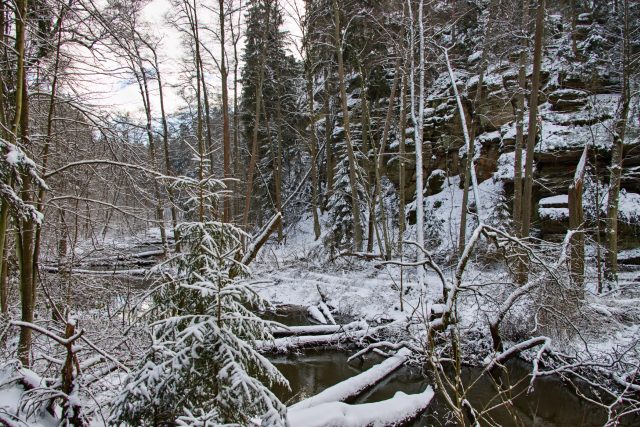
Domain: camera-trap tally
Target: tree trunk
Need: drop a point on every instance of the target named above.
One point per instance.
(236, 117)
(522, 83)
(532, 133)
(25, 226)
(576, 220)
(279, 154)
(474, 124)
(25, 244)
(328, 135)
(199, 129)
(611, 264)
(353, 181)
(226, 141)
(4, 288)
(471, 171)
(527, 201)
(47, 144)
(367, 146)
(380, 163)
(255, 137)
(402, 153)
(146, 100)
(167, 160)
(418, 130)
(313, 148)
(209, 151)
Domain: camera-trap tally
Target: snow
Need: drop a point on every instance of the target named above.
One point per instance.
(474, 57)
(555, 214)
(318, 329)
(317, 315)
(561, 199)
(394, 411)
(554, 208)
(326, 313)
(14, 157)
(11, 395)
(629, 207)
(507, 166)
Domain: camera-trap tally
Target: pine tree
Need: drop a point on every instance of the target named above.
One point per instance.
(202, 366)
(272, 74)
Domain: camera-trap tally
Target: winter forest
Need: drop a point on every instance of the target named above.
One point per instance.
(319, 213)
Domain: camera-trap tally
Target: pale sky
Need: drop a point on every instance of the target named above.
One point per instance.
(116, 94)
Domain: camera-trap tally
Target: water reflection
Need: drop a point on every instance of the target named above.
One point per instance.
(551, 403)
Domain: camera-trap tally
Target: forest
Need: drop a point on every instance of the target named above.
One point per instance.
(319, 213)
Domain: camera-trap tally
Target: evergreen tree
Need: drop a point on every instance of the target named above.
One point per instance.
(266, 59)
(201, 367)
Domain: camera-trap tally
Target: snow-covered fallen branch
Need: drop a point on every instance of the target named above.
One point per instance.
(515, 350)
(355, 386)
(258, 241)
(326, 313)
(318, 329)
(317, 315)
(398, 410)
(130, 272)
(307, 341)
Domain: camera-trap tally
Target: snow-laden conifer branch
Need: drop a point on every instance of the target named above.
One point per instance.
(14, 166)
(203, 351)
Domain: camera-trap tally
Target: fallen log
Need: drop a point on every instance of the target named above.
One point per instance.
(130, 272)
(400, 409)
(355, 386)
(324, 309)
(283, 345)
(316, 314)
(260, 239)
(318, 329)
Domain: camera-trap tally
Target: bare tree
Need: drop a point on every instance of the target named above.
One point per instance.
(611, 264)
(418, 124)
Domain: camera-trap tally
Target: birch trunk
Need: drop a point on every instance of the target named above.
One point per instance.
(418, 131)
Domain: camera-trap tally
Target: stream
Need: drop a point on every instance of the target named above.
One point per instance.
(550, 404)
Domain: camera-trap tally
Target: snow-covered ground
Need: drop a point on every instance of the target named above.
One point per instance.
(302, 272)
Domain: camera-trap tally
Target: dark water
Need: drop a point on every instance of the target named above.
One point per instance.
(551, 403)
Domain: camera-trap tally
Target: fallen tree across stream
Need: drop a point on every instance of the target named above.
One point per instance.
(355, 386)
(342, 335)
(318, 329)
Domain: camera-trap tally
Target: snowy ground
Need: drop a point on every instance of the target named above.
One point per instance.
(301, 271)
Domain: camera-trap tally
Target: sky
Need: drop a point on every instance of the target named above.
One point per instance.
(118, 94)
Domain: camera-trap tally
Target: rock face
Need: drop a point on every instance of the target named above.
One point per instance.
(564, 100)
(578, 104)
